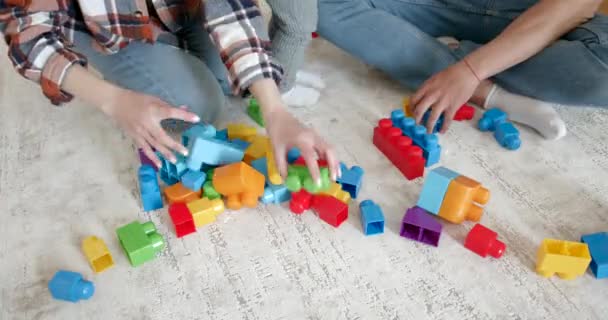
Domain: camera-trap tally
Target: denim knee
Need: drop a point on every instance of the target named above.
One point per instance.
(204, 98)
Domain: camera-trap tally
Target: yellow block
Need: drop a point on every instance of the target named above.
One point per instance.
(204, 211)
(406, 107)
(273, 172)
(565, 258)
(257, 149)
(335, 190)
(241, 131)
(97, 253)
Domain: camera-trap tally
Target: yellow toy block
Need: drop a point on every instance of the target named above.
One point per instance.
(204, 211)
(565, 258)
(273, 172)
(97, 253)
(335, 190)
(241, 131)
(406, 107)
(257, 149)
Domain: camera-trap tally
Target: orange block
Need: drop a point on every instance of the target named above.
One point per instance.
(240, 183)
(463, 200)
(177, 193)
(257, 149)
(407, 109)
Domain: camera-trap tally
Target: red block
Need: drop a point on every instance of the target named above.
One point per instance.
(482, 241)
(300, 201)
(315, 35)
(300, 162)
(182, 219)
(330, 209)
(466, 112)
(399, 149)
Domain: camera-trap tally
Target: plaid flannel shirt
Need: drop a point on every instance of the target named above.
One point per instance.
(39, 34)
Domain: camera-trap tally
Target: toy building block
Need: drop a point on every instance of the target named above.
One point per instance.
(566, 259)
(140, 241)
(149, 190)
(143, 158)
(322, 163)
(399, 149)
(372, 219)
(351, 179)
(222, 135)
(209, 191)
(182, 219)
(241, 131)
(330, 209)
(300, 201)
(429, 143)
(465, 112)
(293, 155)
(170, 172)
(276, 194)
(435, 186)
(70, 286)
(241, 144)
(315, 35)
(406, 106)
(335, 190)
(598, 247)
(482, 241)
(257, 149)
(178, 193)
(193, 180)
(298, 177)
(261, 166)
(205, 211)
(507, 136)
(209, 174)
(491, 119)
(212, 152)
(240, 183)
(255, 113)
(273, 176)
(205, 131)
(464, 200)
(97, 254)
(420, 226)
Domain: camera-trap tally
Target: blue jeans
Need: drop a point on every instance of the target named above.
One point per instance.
(398, 37)
(193, 76)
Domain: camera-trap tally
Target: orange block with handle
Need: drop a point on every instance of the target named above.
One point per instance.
(464, 200)
(178, 193)
(240, 183)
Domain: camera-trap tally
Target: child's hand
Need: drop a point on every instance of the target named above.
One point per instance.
(286, 131)
(140, 116)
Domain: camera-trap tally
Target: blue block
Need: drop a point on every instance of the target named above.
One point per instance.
(194, 180)
(212, 152)
(276, 194)
(222, 135)
(598, 247)
(262, 167)
(164, 176)
(491, 119)
(293, 155)
(151, 197)
(435, 186)
(372, 219)
(351, 179)
(507, 136)
(439, 123)
(198, 130)
(241, 144)
(70, 286)
(429, 143)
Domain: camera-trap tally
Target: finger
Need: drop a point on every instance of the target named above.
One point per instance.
(422, 107)
(280, 158)
(160, 147)
(328, 153)
(310, 156)
(448, 118)
(435, 114)
(417, 97)
(145, 147)
(160, 135)
(180, 114)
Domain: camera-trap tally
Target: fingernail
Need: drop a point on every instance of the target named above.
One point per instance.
(339, 172)
(196, 119)
(173, 160)
(318, 182)
(185, 153)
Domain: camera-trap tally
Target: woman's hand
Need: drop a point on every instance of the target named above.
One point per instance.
(445, 92)
(140, 115)
(286, 132)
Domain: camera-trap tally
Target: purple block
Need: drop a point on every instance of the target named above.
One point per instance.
(145, 160)
(419, 225)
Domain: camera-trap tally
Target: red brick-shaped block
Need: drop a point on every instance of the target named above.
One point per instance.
(399, 149)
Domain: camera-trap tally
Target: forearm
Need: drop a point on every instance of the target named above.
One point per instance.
(268, 96)
(530, 33)
(87, 87)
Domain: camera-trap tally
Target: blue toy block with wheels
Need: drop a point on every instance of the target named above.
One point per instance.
(276, 194)
(194, 180)
(491, 119)
(212, 152)
(435, 186)
(429, 143)
(293, 155)
(507, 136)
(372, 218)
(241, 144)
(351, 179)
(262, 167)
(198, 130)
(70, 286)
(151, 197)
(598, 247)
(222, 135)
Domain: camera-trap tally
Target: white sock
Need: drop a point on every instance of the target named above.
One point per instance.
(300, 96)
(308, 79)
(536, 114)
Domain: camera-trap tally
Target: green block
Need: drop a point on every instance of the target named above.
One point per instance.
(209, 175)
(210, 192)
(298, 177)
(140, 241)
(255, 113)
